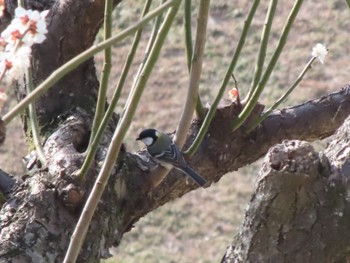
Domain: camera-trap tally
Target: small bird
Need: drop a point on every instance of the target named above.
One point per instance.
(161, 146)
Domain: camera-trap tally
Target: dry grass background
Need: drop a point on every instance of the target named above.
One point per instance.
(199, 226)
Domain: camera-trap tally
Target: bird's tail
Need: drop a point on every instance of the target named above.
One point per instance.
(194, 176)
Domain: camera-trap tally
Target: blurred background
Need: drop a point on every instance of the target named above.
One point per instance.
(199, 226)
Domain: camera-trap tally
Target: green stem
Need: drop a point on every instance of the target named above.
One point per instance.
(200, 111)
(263, 46)
(211, 113)
(348, 2)
(282, 98)
(152, 39)
(76, 61)
(150, 44)
(20, 3)
(155, 29)
(91, 151)
(256, 94)
(102, 91)
(188, 32)
(113, 151)
(189, 48)
(33, 119)
(195, 74)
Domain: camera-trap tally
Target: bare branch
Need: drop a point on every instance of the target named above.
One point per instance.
(223, 151)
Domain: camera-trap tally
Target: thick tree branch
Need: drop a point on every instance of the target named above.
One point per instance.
(40, 214)
(300, 210)
(223, 151)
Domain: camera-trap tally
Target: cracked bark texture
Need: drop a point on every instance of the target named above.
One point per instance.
(300, 210)
(42, 208)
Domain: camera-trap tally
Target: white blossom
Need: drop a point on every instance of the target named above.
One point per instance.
(319, 51)
(27, 28)
(13, 63)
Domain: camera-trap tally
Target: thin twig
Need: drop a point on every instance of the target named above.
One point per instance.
(237, 122)
(188, 32)
(211, 113)
(195, 74)
(91, 151)
(118, 136)
(263, 46)
(102, 91)
(150, 44)
(34, 119)
(282, 98)
(189, 50)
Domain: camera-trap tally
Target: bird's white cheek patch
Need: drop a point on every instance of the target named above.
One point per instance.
(148, 141)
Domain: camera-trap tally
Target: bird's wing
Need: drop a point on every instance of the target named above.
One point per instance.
(172, 156)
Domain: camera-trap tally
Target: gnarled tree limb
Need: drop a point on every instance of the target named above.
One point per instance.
(300, 210)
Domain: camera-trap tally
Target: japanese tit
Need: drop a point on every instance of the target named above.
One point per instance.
(161, 146)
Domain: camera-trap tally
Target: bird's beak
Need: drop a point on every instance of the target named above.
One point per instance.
(138, 138)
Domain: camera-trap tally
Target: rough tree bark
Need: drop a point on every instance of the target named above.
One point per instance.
(42, 209)
(300, 210)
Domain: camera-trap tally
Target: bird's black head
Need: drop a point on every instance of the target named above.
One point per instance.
(152, 133)
(148, 136)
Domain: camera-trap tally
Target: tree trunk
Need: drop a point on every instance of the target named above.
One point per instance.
(300, 210)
